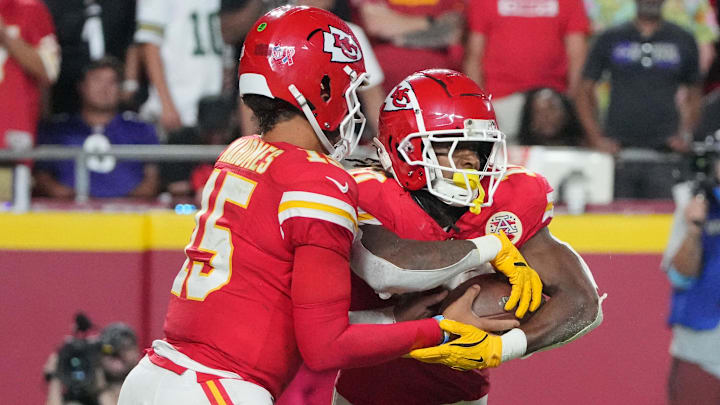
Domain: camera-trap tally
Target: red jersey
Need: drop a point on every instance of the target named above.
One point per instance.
(525, 41)
(231, 307)
(521, 206)
(19, 92)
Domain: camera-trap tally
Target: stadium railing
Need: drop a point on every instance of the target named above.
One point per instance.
(22, 182)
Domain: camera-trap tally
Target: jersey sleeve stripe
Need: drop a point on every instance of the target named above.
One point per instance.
(318, 198)
(301, 212)
(367, 219)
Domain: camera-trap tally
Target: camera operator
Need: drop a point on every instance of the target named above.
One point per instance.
(89, 370)
(692, 262)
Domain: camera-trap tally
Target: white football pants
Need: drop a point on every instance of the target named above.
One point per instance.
(149, 384)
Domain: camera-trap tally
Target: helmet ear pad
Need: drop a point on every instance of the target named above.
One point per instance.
(411, 177)
(414, 176)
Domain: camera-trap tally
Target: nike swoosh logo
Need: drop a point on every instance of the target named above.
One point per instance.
(469, 344)
(343, 187)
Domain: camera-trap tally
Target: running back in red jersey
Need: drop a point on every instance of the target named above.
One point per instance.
(522, 206)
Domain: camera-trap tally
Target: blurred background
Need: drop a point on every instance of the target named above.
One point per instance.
(112, 113)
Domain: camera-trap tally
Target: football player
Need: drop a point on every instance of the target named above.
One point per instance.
(266, 282)
(438, 137)
(445, 179)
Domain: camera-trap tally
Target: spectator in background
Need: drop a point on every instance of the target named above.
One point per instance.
(29, 61)
(692, 263)
(215, 116)
(410, 36)
(696, 16)
(649, 61)
(505, 56)
(183, 51)
(89, 30)
(99, 125)
(549, 119)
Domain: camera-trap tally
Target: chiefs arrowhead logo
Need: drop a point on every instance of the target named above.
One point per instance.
(401, 98)
(341, 46)
(507, 222)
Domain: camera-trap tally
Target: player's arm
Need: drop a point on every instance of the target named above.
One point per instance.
(321, 299)
(574, 307)
(390, 264)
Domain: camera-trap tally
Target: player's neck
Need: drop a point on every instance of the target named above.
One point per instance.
(296, 131)
(444, 214)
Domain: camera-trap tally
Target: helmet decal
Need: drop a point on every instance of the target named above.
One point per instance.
(283, 54)
(401, 98)
(341, 46)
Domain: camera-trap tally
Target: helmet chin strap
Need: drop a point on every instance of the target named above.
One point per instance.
(311, 119)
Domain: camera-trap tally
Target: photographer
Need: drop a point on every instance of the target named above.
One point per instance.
(692, 262)
(90, 370)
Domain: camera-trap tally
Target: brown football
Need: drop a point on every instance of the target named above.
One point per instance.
(490, 302)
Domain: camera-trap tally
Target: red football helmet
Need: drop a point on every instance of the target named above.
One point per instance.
(441, 108)
(311, 59)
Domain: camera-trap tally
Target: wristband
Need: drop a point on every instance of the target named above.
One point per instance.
(446, 336)
(488, 246)
(514, 344)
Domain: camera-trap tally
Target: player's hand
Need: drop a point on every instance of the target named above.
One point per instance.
(418, 306)
(526, 290)
(473, 349)
(461, 311)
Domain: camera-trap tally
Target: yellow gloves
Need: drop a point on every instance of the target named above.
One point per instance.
(474, 349)
(526, 285)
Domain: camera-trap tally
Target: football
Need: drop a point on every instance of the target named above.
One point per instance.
(490, 302)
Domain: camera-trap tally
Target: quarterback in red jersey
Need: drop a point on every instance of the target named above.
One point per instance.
(266, 283)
